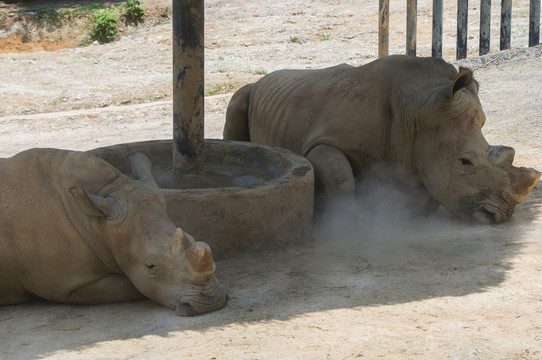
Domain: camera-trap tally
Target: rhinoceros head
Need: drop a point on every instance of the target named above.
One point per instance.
(164, 263)
(469, 177)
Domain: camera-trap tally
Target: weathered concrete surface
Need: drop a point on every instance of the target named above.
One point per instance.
(248, 196)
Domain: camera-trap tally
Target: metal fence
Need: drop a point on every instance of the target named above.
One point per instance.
(462, 22)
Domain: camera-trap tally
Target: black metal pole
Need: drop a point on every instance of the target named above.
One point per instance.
(506, 24)
(534, 23)
(485, 26)
(383, 27)
(462, 22)
(412, 9)
(188, 84)
(436, 47)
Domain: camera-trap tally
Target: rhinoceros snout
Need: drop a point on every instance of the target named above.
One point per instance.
(492, 215)
(188, 310)
(185, 310)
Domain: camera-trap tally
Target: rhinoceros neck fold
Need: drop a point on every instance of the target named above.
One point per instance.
(90, 228)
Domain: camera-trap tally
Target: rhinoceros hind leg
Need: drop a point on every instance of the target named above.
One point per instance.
(109, 289)
(333, 174)
(236, 127)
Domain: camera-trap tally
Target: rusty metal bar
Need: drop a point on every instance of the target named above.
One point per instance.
(412, 7)
(506, 24)
(188, 84)
(436, 46)
(462, 24)
(534, 23)
(383, 27)
(485, 26)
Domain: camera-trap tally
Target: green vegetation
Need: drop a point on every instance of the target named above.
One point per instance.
(105, 25)
(258, 72)
(134, 12)
(87, 9)
(101, 22)
(221, 89)
(295, 39)
(324, 37)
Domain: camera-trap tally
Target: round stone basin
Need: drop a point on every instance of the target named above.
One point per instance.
(247, 197)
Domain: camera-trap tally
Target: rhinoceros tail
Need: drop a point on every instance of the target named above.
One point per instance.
(236, 127)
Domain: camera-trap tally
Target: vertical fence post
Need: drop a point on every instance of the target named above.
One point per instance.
(485, 26)
(188, 62)
(412, 6)
(462, 22)
(436, 46)
(506, 24)
(534, 23)
(383, 27)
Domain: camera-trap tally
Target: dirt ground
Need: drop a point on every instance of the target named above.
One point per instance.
(380, 285)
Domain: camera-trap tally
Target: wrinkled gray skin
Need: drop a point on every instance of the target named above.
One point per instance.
(420, 116)
(73, 229)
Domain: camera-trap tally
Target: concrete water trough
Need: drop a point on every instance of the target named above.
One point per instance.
(246, 197)
(234, 196)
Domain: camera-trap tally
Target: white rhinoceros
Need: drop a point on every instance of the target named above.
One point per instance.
(418, 114)
(73, 229)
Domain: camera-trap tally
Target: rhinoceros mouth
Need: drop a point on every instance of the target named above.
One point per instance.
(195, 308)
(490, 214)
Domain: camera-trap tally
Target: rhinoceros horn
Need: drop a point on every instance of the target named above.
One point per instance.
(201, 261)
(180, 242)
(523, 180)
(142, 168)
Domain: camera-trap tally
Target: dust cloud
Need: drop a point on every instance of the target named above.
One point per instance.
(383, 227)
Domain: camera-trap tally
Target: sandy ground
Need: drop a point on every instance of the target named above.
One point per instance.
(380, 284)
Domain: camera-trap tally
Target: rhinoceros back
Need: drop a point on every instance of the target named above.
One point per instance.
(349, 108)
(291, 108)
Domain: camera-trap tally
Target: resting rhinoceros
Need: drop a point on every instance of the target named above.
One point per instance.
(73, 229)
(419, 114)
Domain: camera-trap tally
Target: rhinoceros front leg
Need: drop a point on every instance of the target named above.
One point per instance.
(111, 288)
(12, 294)
(333, 173)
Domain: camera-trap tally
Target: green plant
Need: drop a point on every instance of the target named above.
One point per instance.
(106, 25)
(134, 12)
(221, 89)
(87, 8)
(258, 72)
(324, 37)
(295, 39)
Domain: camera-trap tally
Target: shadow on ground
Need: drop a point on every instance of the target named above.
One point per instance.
(433, 257)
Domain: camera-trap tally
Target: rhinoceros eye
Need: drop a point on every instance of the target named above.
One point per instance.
(465, 161)
(154, 265)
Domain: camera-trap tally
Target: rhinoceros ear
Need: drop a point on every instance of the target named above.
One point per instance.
(93, 205)
(142, 167)
(463, 80)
